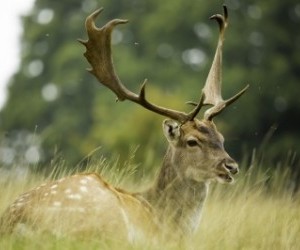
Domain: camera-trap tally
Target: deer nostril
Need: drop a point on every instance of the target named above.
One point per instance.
(232, 168)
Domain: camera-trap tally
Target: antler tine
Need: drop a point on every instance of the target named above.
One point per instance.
(212, 88)
(98, 54)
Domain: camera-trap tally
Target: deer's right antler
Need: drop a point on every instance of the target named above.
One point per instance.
(98, 54)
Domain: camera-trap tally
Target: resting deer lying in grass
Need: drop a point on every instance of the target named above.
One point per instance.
(85, 203)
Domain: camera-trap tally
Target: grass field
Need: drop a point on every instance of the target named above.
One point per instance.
(258, 212)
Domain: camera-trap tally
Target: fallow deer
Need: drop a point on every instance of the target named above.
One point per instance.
(85, 203)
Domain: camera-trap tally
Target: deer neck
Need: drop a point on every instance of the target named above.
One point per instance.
(177, 200)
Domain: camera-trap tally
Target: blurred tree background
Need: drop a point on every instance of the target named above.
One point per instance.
(56, 108)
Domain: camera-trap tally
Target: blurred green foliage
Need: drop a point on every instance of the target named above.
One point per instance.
(172, 44)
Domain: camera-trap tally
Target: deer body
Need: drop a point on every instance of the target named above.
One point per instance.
(173, 205)
(78, 205)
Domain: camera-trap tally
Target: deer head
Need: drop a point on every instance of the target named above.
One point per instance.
(198, 151)
(198, 139)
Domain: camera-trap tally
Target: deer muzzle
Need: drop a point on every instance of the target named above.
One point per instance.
(226, 171)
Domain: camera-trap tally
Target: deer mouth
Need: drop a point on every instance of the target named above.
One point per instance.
(225, 177)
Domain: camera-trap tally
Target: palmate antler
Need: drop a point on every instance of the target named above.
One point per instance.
(98, 54)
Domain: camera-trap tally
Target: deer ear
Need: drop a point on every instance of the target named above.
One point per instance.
(171, 130)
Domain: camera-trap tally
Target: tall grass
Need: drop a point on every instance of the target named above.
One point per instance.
(260, 211)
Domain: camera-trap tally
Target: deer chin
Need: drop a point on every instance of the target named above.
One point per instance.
(225, 178)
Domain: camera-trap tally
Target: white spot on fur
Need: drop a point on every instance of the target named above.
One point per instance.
(46, 194)
(83, 189)
(89, 178)
(68, 191)
(57, 203)
(53, 192)
(74, 196)
(83, 181)
(54, 186)
(75, 209)
(61, 180)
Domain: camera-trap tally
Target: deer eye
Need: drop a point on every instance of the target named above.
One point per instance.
(192, 143)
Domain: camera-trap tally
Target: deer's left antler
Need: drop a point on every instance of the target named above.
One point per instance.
(212, 88)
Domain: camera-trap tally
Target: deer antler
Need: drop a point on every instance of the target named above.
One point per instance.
(212, 87)
(98, 54)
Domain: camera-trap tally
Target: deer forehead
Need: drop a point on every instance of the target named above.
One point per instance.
(201, 129)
